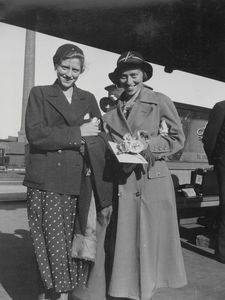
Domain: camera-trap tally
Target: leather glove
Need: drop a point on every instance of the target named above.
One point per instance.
(149, 156)
(128, 168)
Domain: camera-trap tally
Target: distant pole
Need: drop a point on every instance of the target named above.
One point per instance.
(28, 78)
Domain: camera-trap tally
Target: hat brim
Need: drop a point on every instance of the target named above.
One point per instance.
(144, 66)
(106, 104)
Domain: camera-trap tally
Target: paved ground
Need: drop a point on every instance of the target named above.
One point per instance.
(17, 268)
(11, 187)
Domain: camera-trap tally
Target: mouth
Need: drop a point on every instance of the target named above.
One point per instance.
(67, 78)
(130, 89)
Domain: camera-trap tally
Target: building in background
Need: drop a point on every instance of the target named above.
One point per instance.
(12, 149)
(11, 153)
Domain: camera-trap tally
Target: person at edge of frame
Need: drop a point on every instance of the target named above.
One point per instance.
(68, 198)
(214, 145)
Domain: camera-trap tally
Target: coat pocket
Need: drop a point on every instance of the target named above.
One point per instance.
(35, 168)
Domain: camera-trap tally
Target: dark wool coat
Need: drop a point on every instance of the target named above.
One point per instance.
(101, 179)
(54, 162)
(211, 132)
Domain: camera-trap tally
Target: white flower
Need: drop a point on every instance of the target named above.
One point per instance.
(87, 116)
(163, 129)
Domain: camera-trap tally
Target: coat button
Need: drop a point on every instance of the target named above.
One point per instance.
(138, 194)
(59, 151)
(59, 164)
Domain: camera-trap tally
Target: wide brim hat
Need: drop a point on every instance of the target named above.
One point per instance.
(130, 59)
(114, 91)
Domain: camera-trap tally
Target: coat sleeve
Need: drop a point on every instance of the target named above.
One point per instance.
(95, 111)
(102, 168)
(39, 134)
(172, 141)
(216, 119)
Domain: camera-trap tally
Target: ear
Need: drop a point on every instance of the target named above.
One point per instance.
(145, 77)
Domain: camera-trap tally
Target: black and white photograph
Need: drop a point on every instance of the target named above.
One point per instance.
(112, 150)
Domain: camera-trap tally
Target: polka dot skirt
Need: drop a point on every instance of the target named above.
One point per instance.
(51, 219)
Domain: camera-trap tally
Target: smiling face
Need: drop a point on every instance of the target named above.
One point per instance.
(68, 72)
(131, 80)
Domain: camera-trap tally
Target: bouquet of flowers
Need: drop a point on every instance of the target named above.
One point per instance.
(133, 144)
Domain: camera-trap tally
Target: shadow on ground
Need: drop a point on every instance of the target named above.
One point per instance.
(17, 265)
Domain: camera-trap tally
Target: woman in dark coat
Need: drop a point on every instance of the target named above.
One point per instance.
(58, 119)
(147, 251)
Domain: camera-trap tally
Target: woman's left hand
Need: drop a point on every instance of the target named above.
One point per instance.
(104, 215)
(89, 129)
(149, 156)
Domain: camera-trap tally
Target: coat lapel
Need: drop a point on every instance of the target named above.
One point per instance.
(79, 104)
(116, 120)
(144, 105)
(142, 108)
(58, 100)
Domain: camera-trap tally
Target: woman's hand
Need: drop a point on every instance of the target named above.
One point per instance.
(149, 156)
(89, 129)
(104, 215)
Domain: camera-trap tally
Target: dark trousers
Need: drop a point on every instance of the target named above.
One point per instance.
(220, 246)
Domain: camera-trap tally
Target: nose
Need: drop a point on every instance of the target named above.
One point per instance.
(129, 80)
(69, 73)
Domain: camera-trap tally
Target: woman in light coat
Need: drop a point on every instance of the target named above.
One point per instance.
(147, 252)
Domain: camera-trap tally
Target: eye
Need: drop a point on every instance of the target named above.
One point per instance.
(64, 67)
(134, 75)
(75, 70)
(122, 77)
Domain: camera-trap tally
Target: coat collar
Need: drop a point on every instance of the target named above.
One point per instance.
(56, 91)
(117, 121)
(147, 95)
(143, 106)
(59, 101)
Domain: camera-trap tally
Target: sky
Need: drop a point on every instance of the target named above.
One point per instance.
(179, 86)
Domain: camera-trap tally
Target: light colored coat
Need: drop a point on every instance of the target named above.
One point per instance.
(147, 248)
(147, 114)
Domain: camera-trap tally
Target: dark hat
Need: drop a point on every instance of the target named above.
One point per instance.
(64, 50)
(131, 59)
(114, 91)
(107, 103)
